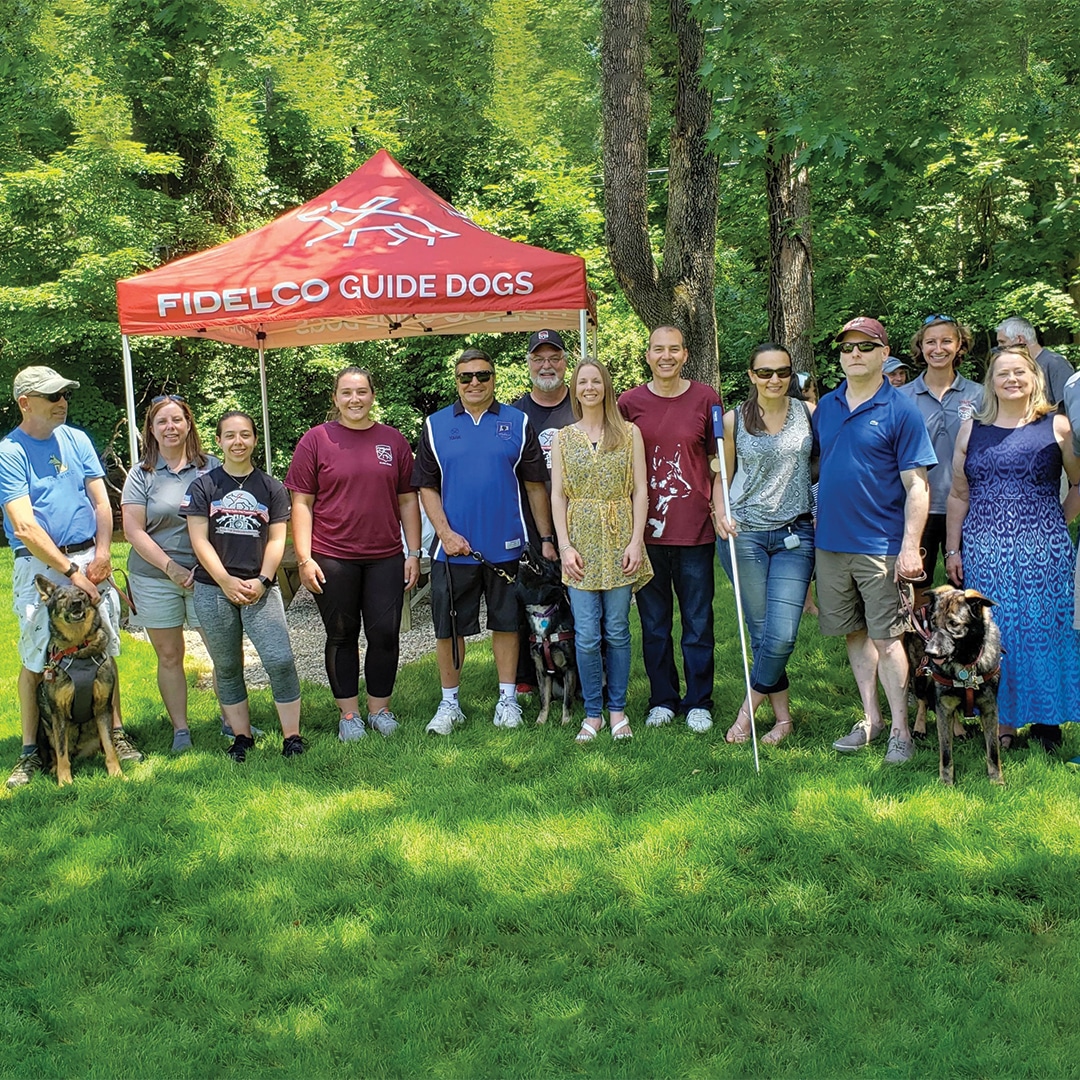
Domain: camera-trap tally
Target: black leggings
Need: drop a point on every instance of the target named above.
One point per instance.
(371, 592)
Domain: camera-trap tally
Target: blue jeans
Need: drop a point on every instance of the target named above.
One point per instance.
(689, 572)
(610, 610)
(224, 625)
(773, 581)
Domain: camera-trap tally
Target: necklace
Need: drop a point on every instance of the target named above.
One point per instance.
(241, 480)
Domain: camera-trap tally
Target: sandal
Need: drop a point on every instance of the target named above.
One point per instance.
(779, 732)
(588, 732)
(739, 732)
(621, 730)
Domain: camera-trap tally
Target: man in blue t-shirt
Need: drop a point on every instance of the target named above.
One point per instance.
(59, 523)
(471, 457)
(873, 498)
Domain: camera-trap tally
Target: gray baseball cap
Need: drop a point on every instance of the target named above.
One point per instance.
(894, 363)
(40, 380)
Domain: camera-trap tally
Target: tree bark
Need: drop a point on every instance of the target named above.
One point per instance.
(791, 276)
(680, 291)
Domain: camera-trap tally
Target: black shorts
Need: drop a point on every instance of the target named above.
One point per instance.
(470, 583)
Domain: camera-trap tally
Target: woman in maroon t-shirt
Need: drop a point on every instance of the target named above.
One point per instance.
(352, 494)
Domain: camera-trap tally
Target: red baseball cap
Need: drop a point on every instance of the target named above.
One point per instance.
(870, 327)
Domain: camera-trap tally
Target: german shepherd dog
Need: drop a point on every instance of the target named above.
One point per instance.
(75, 693)
(551, 631)
(955, 659)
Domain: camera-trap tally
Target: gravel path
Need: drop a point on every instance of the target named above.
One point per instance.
(308, 642)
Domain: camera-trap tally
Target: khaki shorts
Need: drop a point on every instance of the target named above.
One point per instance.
(34, 615)
(857, 592)
(162, 604)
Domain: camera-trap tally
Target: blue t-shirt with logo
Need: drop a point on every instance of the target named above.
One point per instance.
(53, 472)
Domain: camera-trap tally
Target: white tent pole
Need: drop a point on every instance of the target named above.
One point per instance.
(261, 335)
(583, 323)
(129, 398)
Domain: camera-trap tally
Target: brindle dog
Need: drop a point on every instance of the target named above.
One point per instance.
(73, 723)
(957, 669)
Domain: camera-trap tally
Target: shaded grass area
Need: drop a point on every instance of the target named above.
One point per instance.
(507, 904)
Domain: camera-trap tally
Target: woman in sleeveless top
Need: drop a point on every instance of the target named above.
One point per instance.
(767, 446)
(1005, 507)
(599, 502)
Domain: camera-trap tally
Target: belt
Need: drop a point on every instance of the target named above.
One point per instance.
(67, 549)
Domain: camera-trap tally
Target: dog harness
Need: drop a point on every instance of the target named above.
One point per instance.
(546, 640)
(82, 670)
(966, 679)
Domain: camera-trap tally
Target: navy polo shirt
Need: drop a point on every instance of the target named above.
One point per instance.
(475, 466)
(861, 497)
(943, 418)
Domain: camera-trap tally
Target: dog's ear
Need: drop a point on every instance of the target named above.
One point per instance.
(977, 601)
(45, 587)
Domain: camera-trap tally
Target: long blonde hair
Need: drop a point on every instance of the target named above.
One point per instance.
(616, 432)
(1037, 404)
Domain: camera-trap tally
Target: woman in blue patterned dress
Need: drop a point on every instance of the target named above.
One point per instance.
(1004, 514)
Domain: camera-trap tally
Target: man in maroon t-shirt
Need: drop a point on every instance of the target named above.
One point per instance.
(674, 416)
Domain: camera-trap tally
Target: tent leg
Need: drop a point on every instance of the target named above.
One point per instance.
(129, 399)
(265, 400)
(583, 324)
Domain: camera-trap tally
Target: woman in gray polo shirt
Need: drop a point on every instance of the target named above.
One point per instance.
(161, 563)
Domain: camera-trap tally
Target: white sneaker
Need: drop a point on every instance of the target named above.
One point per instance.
(447, 717)
(658, 715)
(699, 720)
(384, 722)
(507, 712)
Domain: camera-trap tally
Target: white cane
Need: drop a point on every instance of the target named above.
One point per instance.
(718, 432)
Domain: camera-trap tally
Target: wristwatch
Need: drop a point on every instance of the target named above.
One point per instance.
(949, 554)
(72, 570)
(547, 539)
(415, 553)
(266, 582)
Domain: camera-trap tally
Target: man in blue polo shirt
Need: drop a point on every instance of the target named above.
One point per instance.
(470, 459)
(873, 498)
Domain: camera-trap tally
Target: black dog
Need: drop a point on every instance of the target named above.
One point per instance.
(551, 631)
(76, 689)
(955, 659)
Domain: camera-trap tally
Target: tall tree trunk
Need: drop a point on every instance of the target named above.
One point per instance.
(680, 291)
(791, 277)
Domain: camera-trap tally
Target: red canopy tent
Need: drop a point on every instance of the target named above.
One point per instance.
(379, 255)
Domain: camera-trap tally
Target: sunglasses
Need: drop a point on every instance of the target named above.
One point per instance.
(167, 397)
(862, 346)
(466, 377)
(766, 373)
(54, 398)
(938, 318)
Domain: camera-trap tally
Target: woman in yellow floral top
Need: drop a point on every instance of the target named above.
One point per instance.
(599, 501)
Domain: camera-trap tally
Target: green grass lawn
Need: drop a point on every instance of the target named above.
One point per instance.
(505, 903)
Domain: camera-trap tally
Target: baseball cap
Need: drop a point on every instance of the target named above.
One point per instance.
(40, 380)
(894, 363)
(870, 327)
(546, 337)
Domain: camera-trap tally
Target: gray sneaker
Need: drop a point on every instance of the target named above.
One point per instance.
(24, 770)
(384, 722)
(900, 750)
(350, 728)
(860, 737)
(447, 717)
(658, 715)
(698, 720)
(507, 713)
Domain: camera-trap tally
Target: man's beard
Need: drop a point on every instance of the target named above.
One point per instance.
(547, 382)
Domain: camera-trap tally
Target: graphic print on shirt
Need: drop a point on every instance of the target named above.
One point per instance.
(666, 482)
(384, 454)
(545, 439)
(57, 464)
(238, 512)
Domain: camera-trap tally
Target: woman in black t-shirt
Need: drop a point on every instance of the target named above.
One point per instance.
(237, 516)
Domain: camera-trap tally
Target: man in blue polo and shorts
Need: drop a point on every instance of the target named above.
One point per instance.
(471, 457)
(873, 498)
(59, 524)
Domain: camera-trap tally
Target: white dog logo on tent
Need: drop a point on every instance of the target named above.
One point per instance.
(401, 228)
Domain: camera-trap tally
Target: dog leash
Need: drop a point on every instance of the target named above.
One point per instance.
(491, 566)
(126, 595)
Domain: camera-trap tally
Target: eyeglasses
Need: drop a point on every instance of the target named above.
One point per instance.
(766, 373)
(551, 358)
(466, 377)
(54, 398)
(167, 397)
(862, 346)
(938, 318)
